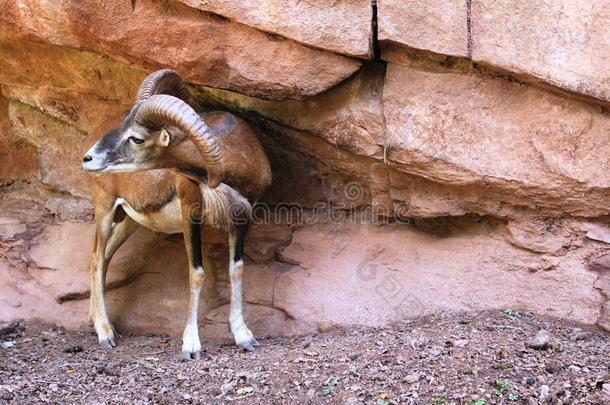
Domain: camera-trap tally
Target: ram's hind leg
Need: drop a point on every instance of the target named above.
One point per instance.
(243, 336)
(190, 203)
(191, 345)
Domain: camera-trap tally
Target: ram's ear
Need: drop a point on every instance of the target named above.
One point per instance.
(164, 138)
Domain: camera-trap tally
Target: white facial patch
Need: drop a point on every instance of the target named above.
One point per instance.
(124, 168)
(96, 160)
(95, 153)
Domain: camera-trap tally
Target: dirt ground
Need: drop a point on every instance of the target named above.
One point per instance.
(476, 359)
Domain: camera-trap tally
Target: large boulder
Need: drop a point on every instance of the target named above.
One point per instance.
(349, 116)
(536, 149)
(564, 42)
(440, 27)
(203, 48)
(28, 62)
(374, 275)
(428, 149)
(342, 26)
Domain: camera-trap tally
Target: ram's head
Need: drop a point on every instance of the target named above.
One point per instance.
(158, 120)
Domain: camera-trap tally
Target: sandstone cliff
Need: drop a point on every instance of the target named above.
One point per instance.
(462, 151)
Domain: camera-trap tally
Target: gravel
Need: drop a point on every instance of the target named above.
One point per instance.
(474, 358)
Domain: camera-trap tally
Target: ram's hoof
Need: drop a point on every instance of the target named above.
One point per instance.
(249, 345)
(196, 355)
(108, 343)
(106, 334)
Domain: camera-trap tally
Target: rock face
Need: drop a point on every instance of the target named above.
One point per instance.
(18, 156)
(435, 129)
(342, 26)
(396, 269)
(440, 27)
(205, 49)
(566, 43)
(467, 169)
(59, 160)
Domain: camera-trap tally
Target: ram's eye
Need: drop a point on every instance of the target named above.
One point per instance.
(135, 140)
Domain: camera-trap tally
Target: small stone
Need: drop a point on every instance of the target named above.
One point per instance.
(530, 381)
(544, 392)
(555, 345)
(7, 345)
(541, 341)
(244, 391)
(606, 390)
(553, 366)
(460, 343)
(466, 370)
(12, 328)
(573, 368)
(435, 351)
(580, 336)
(502, 365)
(412, 378)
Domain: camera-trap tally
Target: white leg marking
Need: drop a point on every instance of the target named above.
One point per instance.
(191, 345)
(243, 336)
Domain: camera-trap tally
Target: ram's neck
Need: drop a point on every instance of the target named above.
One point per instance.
(183, 157)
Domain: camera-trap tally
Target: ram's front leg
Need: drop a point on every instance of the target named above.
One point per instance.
(191, 218)
(99, 264)
(121, 231)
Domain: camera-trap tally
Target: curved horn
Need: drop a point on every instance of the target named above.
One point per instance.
(160, 110)
(164, 81)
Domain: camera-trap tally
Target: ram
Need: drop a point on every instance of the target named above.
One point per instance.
(173, 170)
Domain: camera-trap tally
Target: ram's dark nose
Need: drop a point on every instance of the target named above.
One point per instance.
(87, 158)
